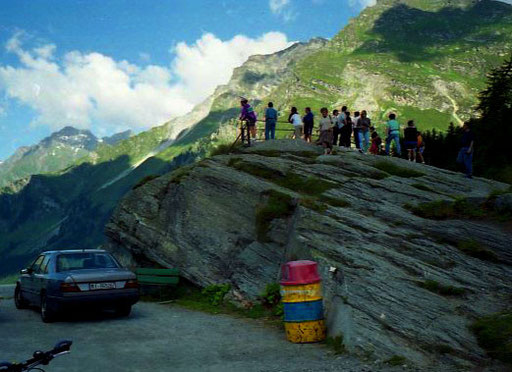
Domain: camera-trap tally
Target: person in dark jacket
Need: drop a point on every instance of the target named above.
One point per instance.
(411, 140)
(465, 156)
(309, 122)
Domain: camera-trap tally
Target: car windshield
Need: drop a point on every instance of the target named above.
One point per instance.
(85, 260)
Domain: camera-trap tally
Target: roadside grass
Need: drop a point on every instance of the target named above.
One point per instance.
(11, 279)
(443, 290)
(212, 300)
(494, 334)
(336, 343)
(396, 170)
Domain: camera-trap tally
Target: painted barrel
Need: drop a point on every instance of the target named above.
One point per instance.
(301, 293)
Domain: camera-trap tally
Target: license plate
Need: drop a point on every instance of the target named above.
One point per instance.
(96, 286)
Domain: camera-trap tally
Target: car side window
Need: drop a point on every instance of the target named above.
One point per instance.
(37, 264)
(45, 264)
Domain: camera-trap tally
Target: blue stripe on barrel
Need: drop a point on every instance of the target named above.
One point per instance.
(303, 311)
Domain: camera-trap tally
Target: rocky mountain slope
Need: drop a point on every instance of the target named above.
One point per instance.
(395, 283)
(70, 208)
(424, 59)
(54, 153)
(421, 58)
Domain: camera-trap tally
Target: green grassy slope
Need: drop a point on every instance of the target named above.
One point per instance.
(414, 57)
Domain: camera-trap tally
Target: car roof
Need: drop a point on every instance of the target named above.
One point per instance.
(76, 251)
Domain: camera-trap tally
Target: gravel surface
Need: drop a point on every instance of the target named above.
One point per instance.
(162, 338)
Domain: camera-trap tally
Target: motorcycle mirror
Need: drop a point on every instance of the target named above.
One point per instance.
(62, 346)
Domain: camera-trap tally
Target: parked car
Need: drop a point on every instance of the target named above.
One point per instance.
(61, 281)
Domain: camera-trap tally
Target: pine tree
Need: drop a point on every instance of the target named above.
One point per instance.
(498, 95)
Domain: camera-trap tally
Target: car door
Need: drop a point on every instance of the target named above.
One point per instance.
(29, 283)
(40, 276)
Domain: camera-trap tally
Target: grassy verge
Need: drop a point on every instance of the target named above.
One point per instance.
(11, 279)
(212, 300)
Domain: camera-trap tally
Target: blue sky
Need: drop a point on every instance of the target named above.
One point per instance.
(111, 65)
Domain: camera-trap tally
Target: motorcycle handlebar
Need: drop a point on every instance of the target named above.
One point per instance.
(39, 357)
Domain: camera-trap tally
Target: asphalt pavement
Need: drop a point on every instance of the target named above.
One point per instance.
(159, 337)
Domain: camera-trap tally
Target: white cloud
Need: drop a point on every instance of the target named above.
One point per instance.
(362, 3)
(92, 90)
(277, 6)
(282, 8)
(507, 1)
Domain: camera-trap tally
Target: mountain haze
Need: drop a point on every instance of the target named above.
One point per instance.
(54, 153)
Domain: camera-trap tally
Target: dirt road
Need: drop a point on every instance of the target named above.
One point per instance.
(162, 338)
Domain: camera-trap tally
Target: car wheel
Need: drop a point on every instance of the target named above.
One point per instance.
(19, 301)
(124, 310)
(47, 313)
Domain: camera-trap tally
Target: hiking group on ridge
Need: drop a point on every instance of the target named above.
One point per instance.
(338, 129)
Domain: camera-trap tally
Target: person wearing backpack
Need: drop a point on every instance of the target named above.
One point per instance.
(248, 115)
(270, 122)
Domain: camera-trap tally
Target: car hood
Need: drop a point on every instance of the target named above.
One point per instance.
(99, 275)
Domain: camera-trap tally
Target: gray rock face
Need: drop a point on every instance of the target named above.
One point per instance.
(345, 212)
(504, 203)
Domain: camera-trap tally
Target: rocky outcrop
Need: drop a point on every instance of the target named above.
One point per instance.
(395, 283)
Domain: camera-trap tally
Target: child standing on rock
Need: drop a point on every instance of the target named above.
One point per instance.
(376, 146)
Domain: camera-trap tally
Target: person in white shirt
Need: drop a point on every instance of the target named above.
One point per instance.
(326, 130)
(296, 121)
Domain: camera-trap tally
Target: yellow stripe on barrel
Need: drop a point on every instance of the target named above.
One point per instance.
(305, 332)
(301, 293)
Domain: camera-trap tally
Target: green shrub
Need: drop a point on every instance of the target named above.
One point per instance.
(305, 185)
(277, 205)
(396, 170)
(145, 180)
(313, 204)
(335, 202)
(271, 299)
(494, 334)
(396, 360)
(474, 249)
(225, 149)
(336, 343)
(444, 290)
(423, 187)
(214, 294)
(271, 296)
(444, 209)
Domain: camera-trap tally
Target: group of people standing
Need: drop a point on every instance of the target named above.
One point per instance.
(337, 129)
